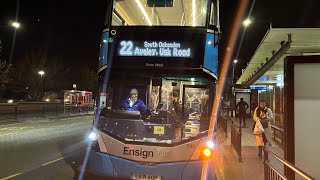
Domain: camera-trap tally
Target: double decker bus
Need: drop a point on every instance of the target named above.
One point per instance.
(157, 76)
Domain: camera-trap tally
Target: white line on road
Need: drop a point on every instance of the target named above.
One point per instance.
(13, 175)
(44, 164)
(9, 124)
(8, 134)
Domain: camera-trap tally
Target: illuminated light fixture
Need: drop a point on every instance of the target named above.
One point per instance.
(47, 100)
(209, 42)
(41, 73)
(280, 84)
(247, 22)
(193, 79)
(104, 41)
(235, 61)
(279, 78)
(144, 12)
(15, 25)
(194, 12)
(92, 136)
(210, 144)
(10, 101)
(207, 152)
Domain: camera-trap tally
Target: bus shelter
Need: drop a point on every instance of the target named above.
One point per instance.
(75, 98)
(268, 76)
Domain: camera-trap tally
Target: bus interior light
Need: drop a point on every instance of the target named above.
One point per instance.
(144, 12)
(194, 13)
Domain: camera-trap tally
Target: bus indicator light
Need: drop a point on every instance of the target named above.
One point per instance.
(207, 152)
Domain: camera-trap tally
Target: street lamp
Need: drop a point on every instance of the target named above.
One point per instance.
(234, 63)
(41, 73)
(15, 24)
(247, 22)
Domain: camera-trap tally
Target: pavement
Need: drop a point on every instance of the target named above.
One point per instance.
(227, 163)
(44, 149)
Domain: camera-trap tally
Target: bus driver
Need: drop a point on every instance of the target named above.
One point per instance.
(132, 103)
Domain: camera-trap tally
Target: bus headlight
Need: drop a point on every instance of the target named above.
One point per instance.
(207, 151)
(92, 136)
(210, 144)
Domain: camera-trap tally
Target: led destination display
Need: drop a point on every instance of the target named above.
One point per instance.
(154, 49)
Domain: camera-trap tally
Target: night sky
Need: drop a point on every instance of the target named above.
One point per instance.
(282, 14)
(71, 29)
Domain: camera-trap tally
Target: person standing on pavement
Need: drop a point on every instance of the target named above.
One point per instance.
(264, 115)
(242, 107)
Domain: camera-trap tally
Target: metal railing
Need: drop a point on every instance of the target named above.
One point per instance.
(236, 139)
(278, 133)
(272, 173)
(18, 111)
(228, 110)
(223, 123)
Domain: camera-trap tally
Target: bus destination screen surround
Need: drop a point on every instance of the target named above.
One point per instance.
(155, 49)
(140, 47)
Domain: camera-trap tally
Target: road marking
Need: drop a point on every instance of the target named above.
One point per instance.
(7, 134)
(15, 128)
(9, 124)
(52, 161)
(14, 175)
(28, 170)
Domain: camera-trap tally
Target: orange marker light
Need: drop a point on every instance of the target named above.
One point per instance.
(207, 152)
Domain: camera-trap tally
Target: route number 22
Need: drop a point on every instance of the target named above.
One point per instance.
(126, 48)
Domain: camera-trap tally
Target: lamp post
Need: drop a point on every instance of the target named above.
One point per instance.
(247, 22)
(41, 73)
(234, 63)
(15, 24)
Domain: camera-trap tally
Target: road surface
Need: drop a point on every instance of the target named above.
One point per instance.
(48, 149)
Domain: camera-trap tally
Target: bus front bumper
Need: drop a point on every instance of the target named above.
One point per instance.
(111, 166)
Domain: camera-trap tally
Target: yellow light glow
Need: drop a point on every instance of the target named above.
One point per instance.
(247, 22)
(15, 24)
(207, 152)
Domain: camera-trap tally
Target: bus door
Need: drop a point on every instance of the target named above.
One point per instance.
(195, 105)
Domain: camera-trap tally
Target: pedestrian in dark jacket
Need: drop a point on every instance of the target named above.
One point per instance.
(242, 107)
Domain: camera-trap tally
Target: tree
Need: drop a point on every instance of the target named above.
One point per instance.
(28, 79)
(4, 72)
(87, 80)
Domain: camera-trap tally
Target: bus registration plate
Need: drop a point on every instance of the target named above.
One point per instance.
(145, 177)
